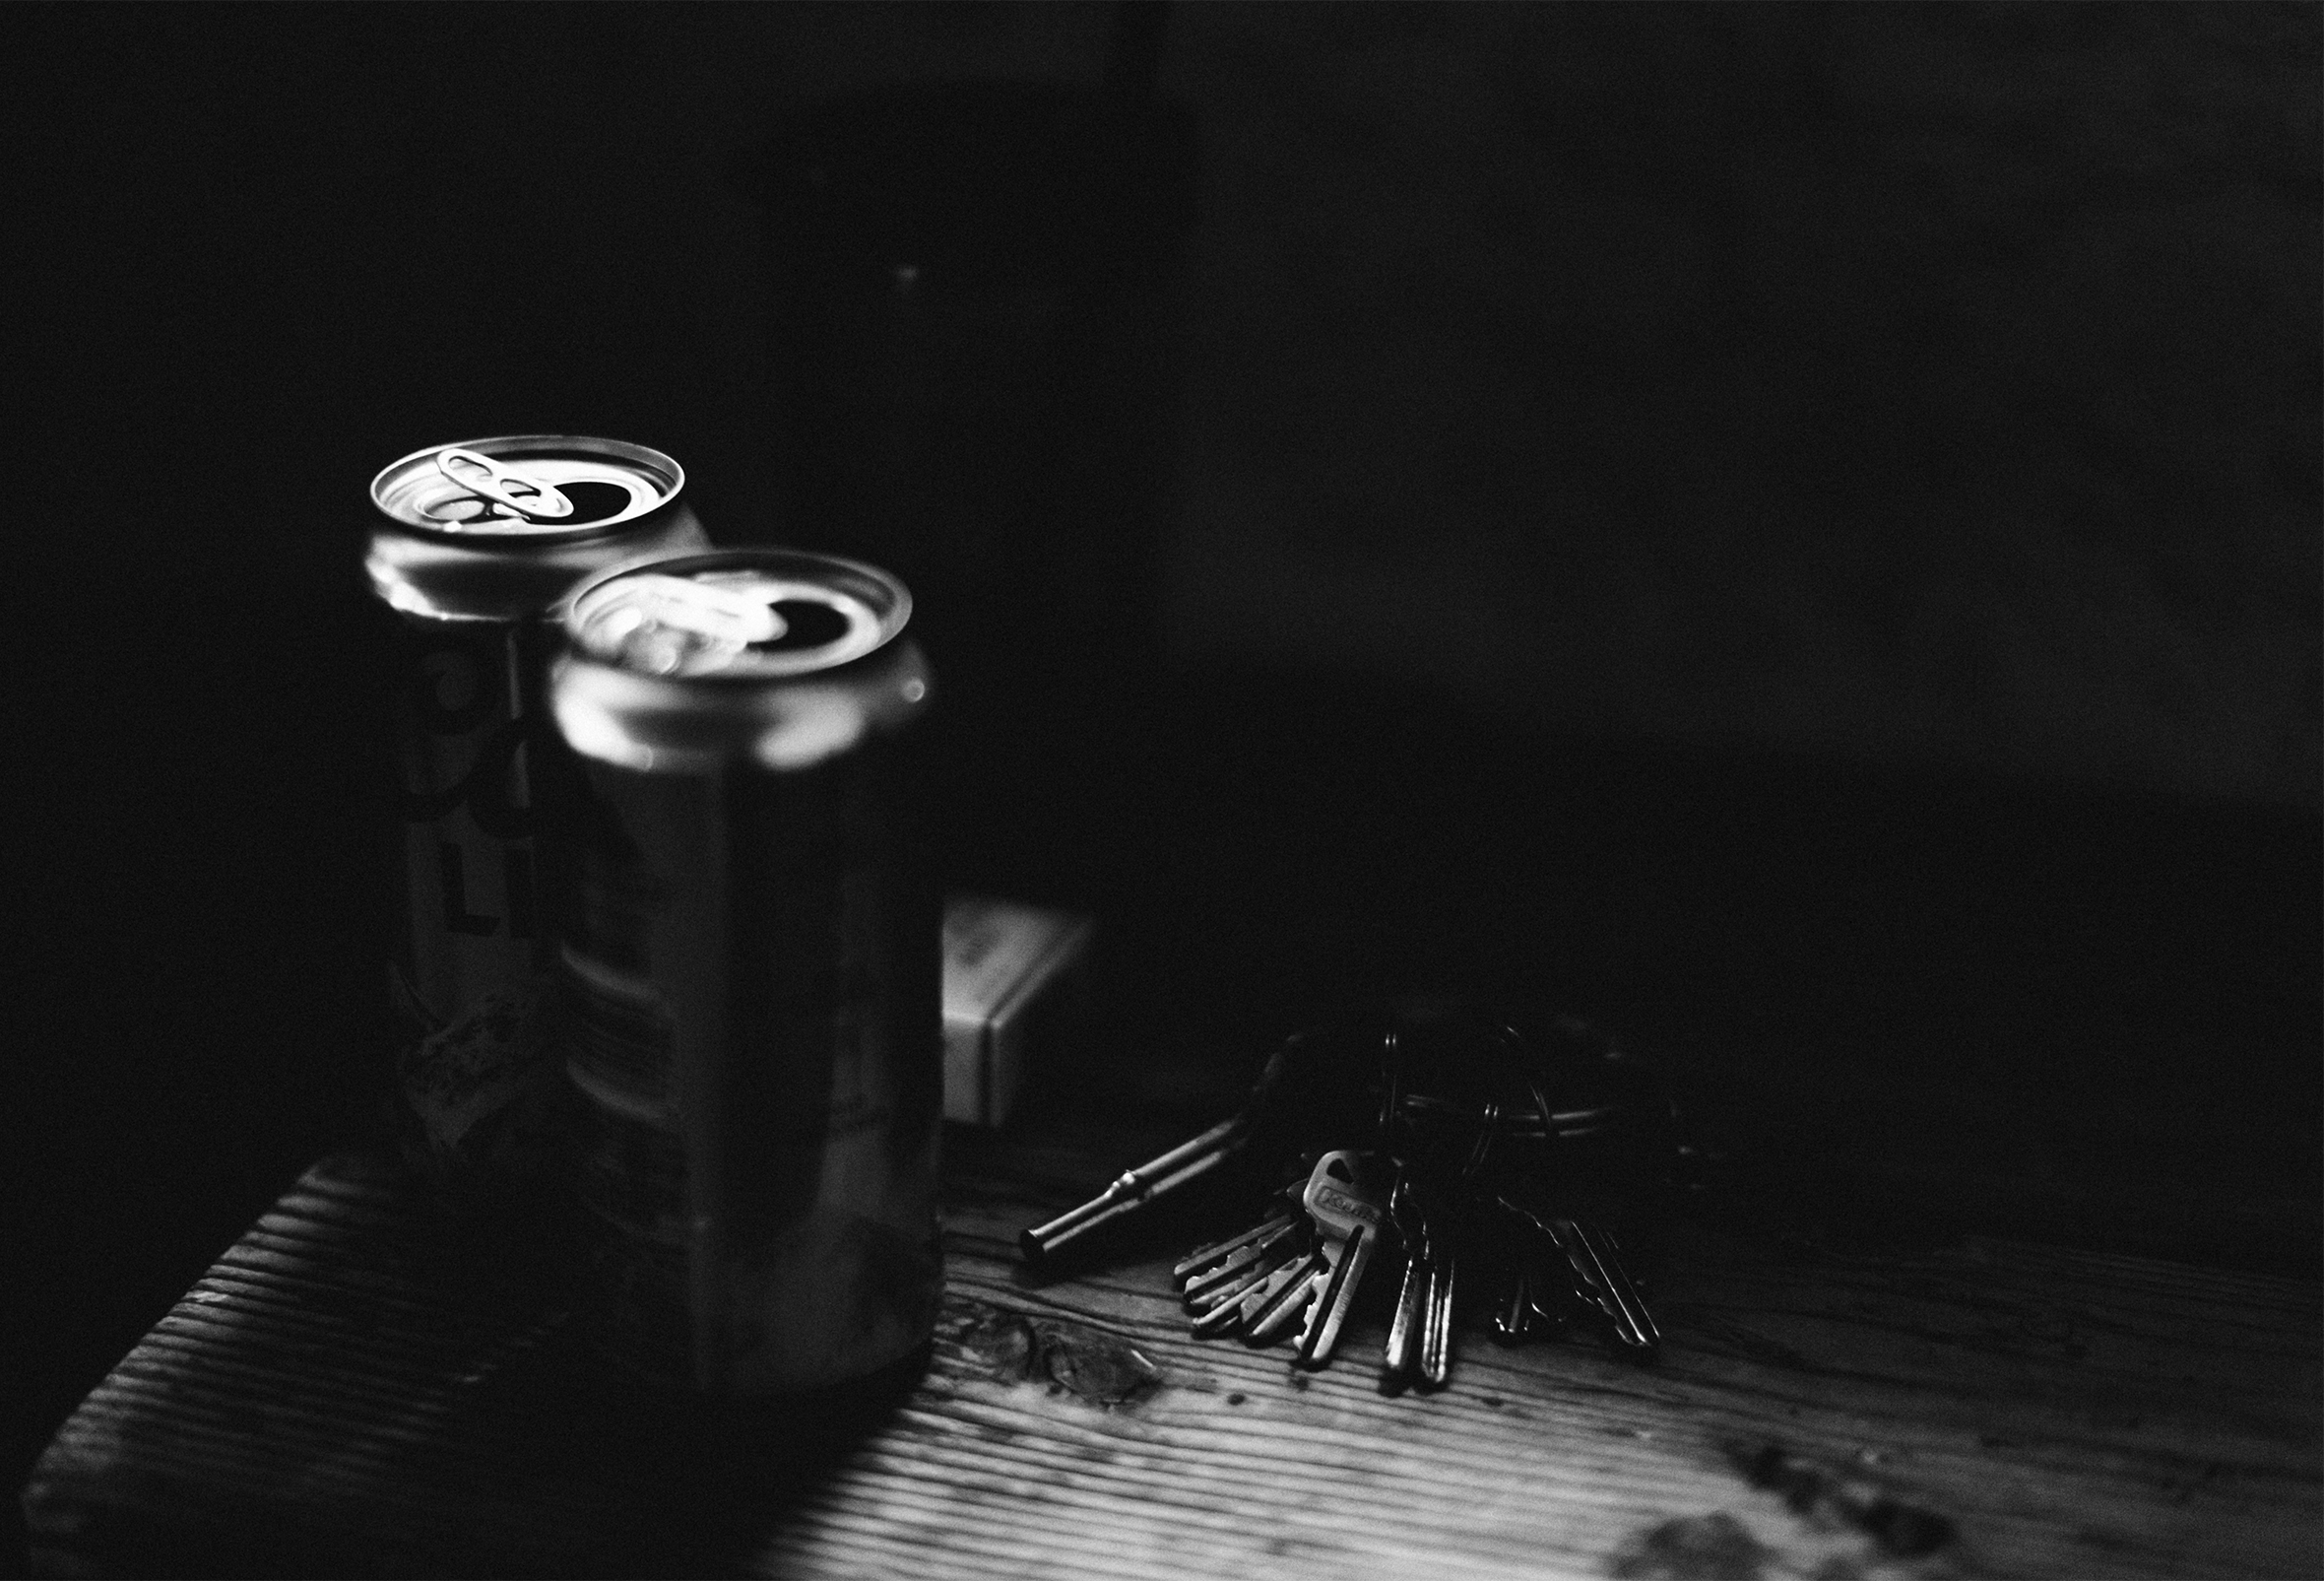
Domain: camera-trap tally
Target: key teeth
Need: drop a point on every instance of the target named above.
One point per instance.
(1211, 1322)
(1336, 1299)
(1274, 1321)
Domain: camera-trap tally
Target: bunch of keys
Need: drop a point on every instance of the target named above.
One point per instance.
(1495, 1162)
(1301, 1264)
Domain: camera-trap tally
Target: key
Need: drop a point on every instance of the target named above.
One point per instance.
(1420, 1335)
(1512, 1307)
(1549, 1289)
(1436, 1343)
(1443, 1277)
(1436, 1187)
(1531, 1282)
(1597, 1261)
(1272, 1244)
(1402, 1356)
(1228, 1268)
(1239, 1304)
(1207, 1257)
(1207, 1266)
(1595, 1264)
(1293, 1298)
(1343, 1209)
(1342, 1216)
(1290, 1300)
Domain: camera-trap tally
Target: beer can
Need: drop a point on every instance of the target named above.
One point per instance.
(474, 548)
(751, 971)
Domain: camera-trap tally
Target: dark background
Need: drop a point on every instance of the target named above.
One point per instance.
(1791, 530)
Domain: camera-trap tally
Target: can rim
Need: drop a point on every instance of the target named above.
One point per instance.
(502, 444)
(892, 606)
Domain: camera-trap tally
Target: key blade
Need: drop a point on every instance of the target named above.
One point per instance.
(1222, 1318)
(1232, 1293)
(1436, 1351)
(1605, 1285)
(1231, 1306)
(1280, 1208)
(1287, 1305)
(1231, 1314)
(1202, 1257)
(1396, 1362)
(1267, 1252)
(1339, 1296)
(1405, 1329)
(1512, 1315)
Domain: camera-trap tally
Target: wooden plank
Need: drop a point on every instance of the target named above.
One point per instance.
(350, 1391)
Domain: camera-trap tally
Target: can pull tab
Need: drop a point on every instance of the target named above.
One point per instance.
(520, 492)
(675, 626)
(708, 609)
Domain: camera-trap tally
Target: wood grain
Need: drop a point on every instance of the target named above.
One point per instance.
(351, 1391)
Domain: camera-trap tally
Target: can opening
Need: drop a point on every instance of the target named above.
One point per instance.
(730, 618)
(804, 625)
(596, 500)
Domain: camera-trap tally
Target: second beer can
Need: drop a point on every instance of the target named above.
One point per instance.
(750, 971)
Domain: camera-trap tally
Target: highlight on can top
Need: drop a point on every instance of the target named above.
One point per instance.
(525, 485)
(775, 655)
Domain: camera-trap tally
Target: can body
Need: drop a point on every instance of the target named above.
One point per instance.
(468, 585)
(750, 975)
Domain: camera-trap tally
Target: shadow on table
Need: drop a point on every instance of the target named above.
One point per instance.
(360, 1387)
(686, 1488)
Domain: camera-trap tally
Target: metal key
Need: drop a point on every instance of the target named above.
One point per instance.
(1337, 1208)
(1337, 1201)
(1237, 1295)
(1595, 1262)
(1231, 1299)
(1443, 1274)
(1402, 1356)
(1291, 1299)
(1272, 1242)
(1207, 1257)
(1245, 1306)
(1208, 1269)
(1533, 1282)
(1513, 1305)
(1436, 1340)
(1288, 1297)
(1420, 1333)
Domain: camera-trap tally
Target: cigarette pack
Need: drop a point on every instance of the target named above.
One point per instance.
(1009, 970)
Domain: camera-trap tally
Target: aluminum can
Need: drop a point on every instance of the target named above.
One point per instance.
(751, 971)
(473, 549)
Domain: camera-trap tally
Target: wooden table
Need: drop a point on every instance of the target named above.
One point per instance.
(351, 1391)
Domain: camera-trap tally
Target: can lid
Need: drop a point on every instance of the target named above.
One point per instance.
(741, 615)
(525, 486)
